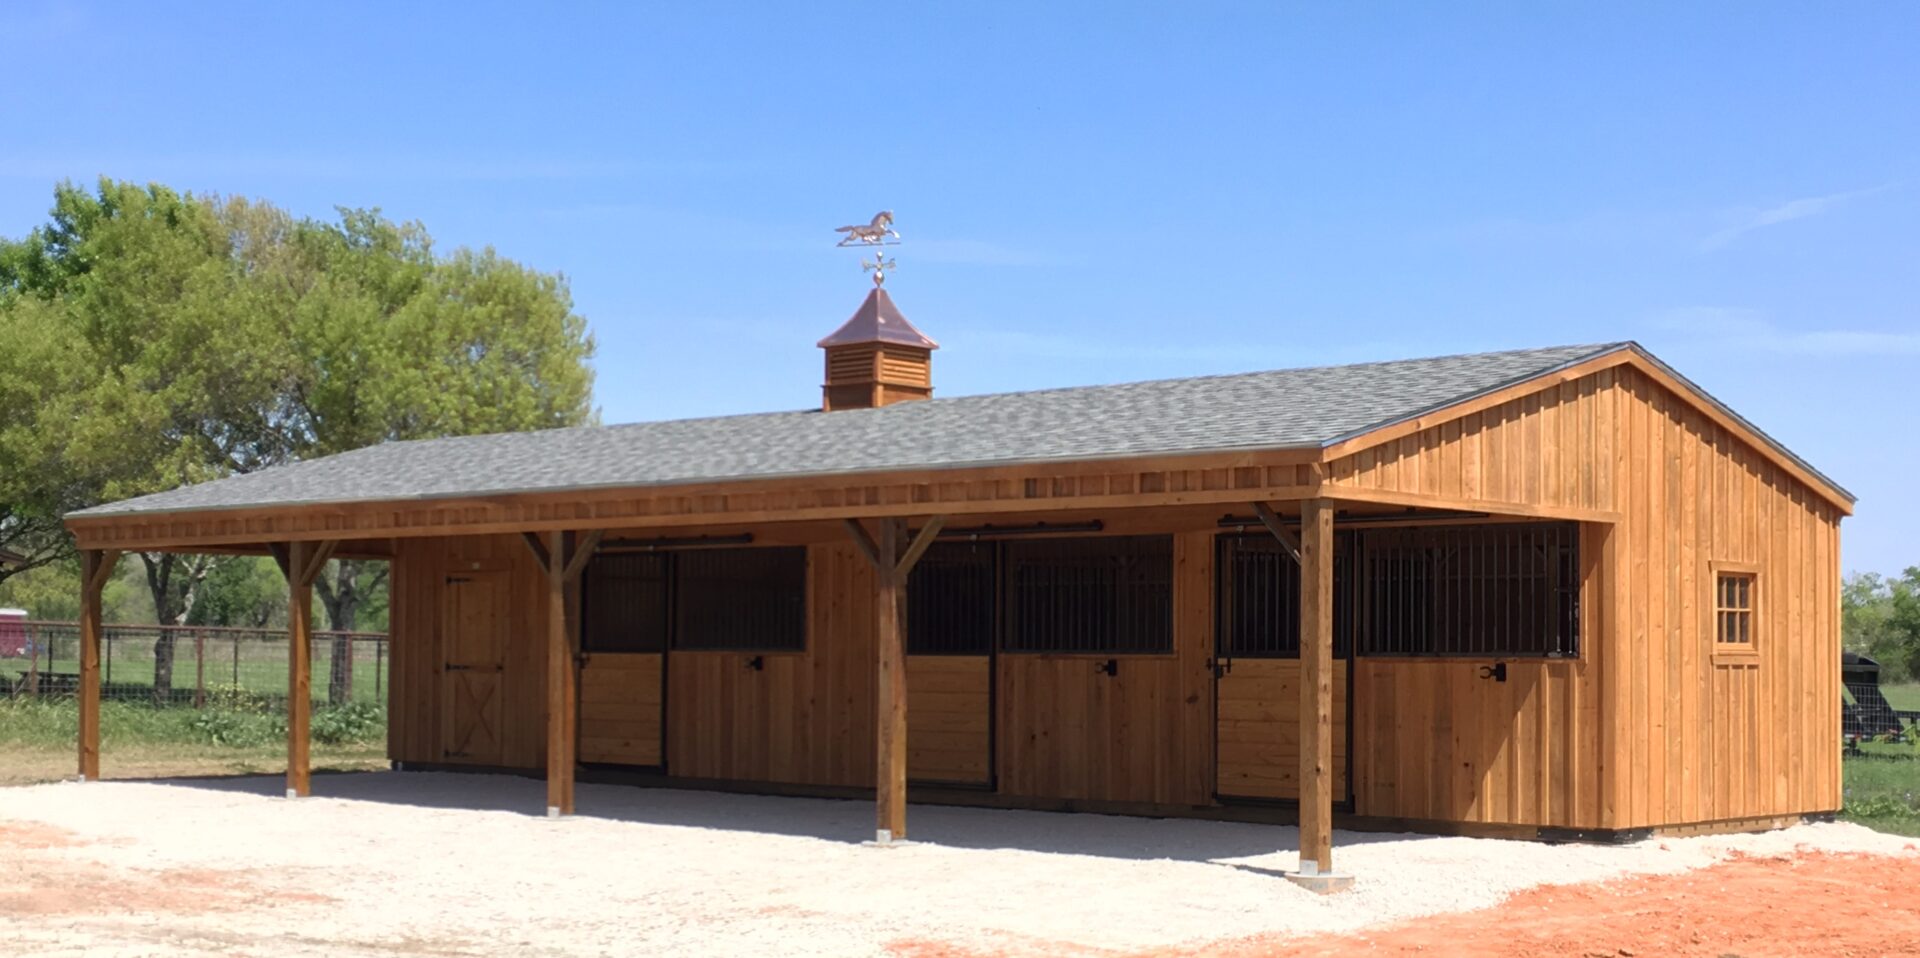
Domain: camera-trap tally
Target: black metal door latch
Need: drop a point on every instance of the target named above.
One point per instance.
(758, 663)
(1496, 671)
(1110, 666)
(1220, 667)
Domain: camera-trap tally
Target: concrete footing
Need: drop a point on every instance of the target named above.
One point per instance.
(1324, 883)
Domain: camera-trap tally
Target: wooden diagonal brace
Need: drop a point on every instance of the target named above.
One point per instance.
(921, 542)
(539, 550)
(582, 551)
(1271, 520)
(864, 540)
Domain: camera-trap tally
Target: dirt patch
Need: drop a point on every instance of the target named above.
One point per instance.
(36, 835)
(427, 863)
(1748, 907)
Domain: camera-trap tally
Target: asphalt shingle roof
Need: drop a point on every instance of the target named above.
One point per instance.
(1287, 408)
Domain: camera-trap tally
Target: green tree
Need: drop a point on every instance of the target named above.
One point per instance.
(1880, 617)
(173, 339)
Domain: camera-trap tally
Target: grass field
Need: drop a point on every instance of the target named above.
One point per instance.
(38, 740)
(218, 662)
(1883, 784)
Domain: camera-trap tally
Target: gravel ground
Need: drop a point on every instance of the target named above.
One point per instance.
(437, 864)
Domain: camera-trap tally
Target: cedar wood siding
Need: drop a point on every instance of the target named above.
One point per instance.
(1645, 728)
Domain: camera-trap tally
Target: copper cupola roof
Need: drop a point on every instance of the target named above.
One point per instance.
(878, 321)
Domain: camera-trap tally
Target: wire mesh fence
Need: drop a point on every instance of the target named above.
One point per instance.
(189, 666)
(1866, 715)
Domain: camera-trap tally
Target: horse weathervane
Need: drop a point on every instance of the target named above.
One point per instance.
(874, 233)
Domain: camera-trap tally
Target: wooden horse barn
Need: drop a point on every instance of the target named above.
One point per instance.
(1558, 593)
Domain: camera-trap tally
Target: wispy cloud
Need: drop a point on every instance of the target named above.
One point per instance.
(1744, 328)
(1807, 207)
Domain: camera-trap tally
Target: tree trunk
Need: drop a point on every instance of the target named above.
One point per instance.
(340, 594)
(174, 582)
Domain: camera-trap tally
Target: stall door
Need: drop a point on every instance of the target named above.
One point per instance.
(1097, 700)
(1257, 751)
(474, 645)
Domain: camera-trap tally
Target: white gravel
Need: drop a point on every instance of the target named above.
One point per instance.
(440, 864)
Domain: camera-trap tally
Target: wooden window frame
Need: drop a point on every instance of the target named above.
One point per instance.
(1732, 653)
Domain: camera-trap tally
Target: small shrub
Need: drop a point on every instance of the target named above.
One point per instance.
(348, 724)
(237, 698)
(237, 729)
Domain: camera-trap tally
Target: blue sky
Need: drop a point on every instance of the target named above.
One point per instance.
(1089, 193)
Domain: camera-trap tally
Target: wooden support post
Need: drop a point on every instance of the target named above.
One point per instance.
(96, 567)
(1316, 700)
(890, 759)
(561, 562)
(299, 674)
(893, 558)
(302, 563)
(560, 682)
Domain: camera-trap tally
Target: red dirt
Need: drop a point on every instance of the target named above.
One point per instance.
(1845, 906)
(36, 835)
(54, 885)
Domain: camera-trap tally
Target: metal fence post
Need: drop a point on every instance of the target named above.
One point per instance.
(236, 660)
(199, 670)
(33, 661)
(106, 644)
(379, 670)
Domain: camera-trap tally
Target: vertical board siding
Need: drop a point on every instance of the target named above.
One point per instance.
(1144, 734)
(803, 718)
(949, 717)
(1646, 728)
(1434, 740)
(1258, 752)
(420, 626)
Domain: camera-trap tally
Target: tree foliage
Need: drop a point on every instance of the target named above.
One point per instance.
(1880, 617)
(157, 338)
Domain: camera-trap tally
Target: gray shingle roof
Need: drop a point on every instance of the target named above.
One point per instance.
(1287, 408)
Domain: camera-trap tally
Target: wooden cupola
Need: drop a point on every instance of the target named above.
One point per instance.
(876, 358)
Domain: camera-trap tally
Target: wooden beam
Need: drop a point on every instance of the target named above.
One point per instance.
(921, 543)
(641, 509)
(1316, 688)
(864, 541)
(1491, 507)
(582, 552)
(890, 739)
(561, 681)
(1271, 520)
(280, 558)
(96, 567)
(317, 560)
(300, 557)
(539, 550)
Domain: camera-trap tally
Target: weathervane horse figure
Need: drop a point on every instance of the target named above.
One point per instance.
(872, 234)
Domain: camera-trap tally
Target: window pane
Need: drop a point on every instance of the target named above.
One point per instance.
(750, 600)
(625, 604)
(1099, 596)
